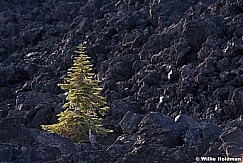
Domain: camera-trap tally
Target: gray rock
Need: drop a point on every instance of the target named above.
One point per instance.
(130, 121)
(211, 132)
(237, 99)
(37, 108)
(196, 34)
(156, 128)
(6, 94)
(18, 144)
(192, 137)
(232, 140)
(185, 121)
(6, 152)
(172, 57)
(120, 107)
(122, 145)
(240, 4)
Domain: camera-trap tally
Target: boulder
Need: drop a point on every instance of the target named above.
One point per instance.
(156, 128)
(20, 144)
(121, 106)
(130, 121)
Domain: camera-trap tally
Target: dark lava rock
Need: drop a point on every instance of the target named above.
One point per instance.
(195, 34)
(233, 142)
(232, 138)
(237, 99)
(120, 107)
(37, 108)
(6, 152)
(122, 145)
(130, 121)
(156, 128)
(162, 59)
(19, 144)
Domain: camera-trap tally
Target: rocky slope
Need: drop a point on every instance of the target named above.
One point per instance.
(172, 72)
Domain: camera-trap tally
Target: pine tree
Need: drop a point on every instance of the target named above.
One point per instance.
(84, 103)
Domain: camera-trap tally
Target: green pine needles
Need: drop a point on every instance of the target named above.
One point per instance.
(84, 103)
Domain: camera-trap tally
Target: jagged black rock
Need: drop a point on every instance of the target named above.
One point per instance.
(171, 71)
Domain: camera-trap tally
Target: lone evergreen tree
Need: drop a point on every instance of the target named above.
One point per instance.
(84, 103)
